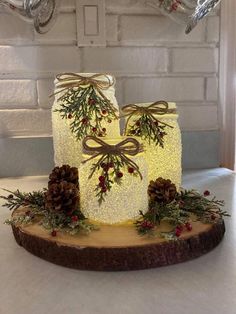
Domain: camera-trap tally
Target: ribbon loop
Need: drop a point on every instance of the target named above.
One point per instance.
(101, 81)
(159, 107)
(129, 146)
(103, 148)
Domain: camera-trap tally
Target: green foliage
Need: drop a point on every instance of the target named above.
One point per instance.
(149, 128)
(87, 108)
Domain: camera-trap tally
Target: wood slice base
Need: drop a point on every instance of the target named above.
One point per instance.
(114, 248)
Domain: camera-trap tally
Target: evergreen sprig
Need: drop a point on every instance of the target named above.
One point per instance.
(88, 109)
(149, 128)
(34, 210)
(16, 199)
(188, 206)
(110, 168)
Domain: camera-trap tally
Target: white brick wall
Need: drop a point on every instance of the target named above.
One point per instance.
(150, 55)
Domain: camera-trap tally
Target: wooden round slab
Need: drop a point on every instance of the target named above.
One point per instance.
(114, 248)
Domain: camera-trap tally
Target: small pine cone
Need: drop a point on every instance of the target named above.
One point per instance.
(64, 173)
(62, 197)
(162, 191)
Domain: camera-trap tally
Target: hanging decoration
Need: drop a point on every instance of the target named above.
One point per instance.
(186, 12)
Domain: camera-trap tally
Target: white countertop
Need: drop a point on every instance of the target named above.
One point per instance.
(207, 285)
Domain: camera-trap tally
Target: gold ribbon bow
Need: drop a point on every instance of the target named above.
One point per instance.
(121, 149)
(69, 80)
(157, 108)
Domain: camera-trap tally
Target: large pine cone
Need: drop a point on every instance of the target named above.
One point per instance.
(162, 191)
(64, 173)
(62, 197)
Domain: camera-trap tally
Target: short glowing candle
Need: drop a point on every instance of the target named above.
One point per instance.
(67, 146)
(125, 199)
(163, 161)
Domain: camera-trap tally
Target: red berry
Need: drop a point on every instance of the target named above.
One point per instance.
(110, 165)
(104, 112)
(101, 184)
(147, 224)
(178, 232)
(131, 170)
(94, 129)
(74, 218)
(84, 120)
(69, 116)
(180, 227)
(54, 233)
(119, 174)
(188, 226)
(104, 189)
(206, 193)
(91, 101)
(101, 178)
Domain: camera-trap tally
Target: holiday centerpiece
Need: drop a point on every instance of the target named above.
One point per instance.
(124, 209)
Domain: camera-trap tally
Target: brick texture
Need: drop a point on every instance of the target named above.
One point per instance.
(149, 54)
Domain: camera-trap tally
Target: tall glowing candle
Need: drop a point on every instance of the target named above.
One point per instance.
(163, 157)
(67, 141)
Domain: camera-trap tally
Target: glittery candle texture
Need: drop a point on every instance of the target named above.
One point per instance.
(122, 203)
(164, 162)
(67, 149)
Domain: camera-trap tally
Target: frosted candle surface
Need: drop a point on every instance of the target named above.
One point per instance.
(67, 149)
(164, 162)
(123, 202)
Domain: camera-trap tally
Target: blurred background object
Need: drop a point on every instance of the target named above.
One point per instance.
(42, 13)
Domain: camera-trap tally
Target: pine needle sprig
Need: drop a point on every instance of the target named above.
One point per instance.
(149, 128)
(88, 109)
(187, 206)
(17, 199)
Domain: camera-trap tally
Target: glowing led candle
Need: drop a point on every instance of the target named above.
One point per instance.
(163, 161)
(67, 146)
(123, 201)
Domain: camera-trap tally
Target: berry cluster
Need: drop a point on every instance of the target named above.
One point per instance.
(149, 128)
(88, 110)
(180, 228)
(110, 173)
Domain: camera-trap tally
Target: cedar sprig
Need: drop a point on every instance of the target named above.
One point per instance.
(188, 206)
(204, 208)
(149, 128)
(87, 108)
(16, 199)
(110, 168)
(34, 209)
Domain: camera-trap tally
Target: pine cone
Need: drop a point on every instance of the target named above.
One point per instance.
(64, 173)
(62, 197)
(162, 191)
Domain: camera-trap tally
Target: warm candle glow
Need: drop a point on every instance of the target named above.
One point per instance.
(123, 202)
(164, 162)
(67, 148)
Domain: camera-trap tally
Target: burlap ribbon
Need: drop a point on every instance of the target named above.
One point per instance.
(67, 81)
(104, 150)
(157, 108)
